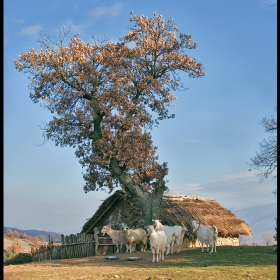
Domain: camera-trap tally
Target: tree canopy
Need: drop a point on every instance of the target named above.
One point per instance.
(106, 97)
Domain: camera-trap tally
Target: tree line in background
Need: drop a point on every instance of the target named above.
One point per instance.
(16, 246)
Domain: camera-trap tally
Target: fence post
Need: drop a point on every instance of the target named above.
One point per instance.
(63, 253)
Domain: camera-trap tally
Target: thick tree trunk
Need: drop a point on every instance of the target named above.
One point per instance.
(148, 203)
(150, 206)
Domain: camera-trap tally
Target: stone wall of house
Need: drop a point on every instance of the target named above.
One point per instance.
(222, 241)
(228, 241)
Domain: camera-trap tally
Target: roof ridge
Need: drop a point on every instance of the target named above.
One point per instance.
(182, 197)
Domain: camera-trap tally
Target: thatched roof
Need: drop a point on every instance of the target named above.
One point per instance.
(175, 210)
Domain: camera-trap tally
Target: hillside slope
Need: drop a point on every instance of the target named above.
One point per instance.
(260, 218)
(32, 232)
(26, 244)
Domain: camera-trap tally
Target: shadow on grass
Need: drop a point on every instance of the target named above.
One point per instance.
(191, 257)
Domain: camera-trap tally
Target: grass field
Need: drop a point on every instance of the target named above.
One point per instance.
(242, 262)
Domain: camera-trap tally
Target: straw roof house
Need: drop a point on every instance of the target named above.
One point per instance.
(175, 210)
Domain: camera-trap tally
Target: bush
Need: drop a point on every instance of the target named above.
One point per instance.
(24, 236)
(19, 259)
(35, 241)
(9, 233)
(42, 238)
(16, 234)
(7, 255)
(30, 238)
(16, 247)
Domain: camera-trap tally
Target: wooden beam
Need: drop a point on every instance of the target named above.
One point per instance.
(94, 223)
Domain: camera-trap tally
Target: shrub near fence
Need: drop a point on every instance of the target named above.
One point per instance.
(41, 254)
(80, 245)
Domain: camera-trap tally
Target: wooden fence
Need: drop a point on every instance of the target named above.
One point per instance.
(41, 254)
(74, 246)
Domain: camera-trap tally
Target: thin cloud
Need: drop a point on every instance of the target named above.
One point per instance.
(190, 140)
(112, 11)
(192, 187)
(268, 4)
(236, 176)
(186, 189)
(231, 190)
(31, 30)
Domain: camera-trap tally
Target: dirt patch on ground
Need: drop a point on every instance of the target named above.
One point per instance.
(94, 267)
(97, 267)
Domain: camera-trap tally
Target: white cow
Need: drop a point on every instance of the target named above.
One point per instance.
(133, 237)
(158, 241)
(175, 235)
(207, 235)
(116, 236)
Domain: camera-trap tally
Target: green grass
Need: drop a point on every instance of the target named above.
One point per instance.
(243, 262)
(228, 256)
(7, 255)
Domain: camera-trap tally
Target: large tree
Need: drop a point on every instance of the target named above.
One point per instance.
(106, 97)
(265, 160)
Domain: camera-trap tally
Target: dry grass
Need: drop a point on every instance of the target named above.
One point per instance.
(26, 244)
(243, 262)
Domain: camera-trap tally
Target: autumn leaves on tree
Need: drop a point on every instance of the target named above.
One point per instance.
(106, 97)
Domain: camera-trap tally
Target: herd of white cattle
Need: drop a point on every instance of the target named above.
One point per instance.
(163, 239)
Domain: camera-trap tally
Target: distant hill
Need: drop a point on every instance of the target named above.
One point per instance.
(260, 218)
(32, 232)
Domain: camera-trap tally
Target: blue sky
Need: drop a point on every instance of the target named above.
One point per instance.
(216, 129)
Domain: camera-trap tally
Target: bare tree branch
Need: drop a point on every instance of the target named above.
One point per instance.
(265, 160)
